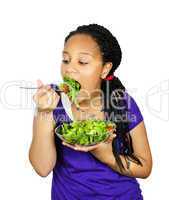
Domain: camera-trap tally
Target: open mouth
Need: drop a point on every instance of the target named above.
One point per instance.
(71, 87)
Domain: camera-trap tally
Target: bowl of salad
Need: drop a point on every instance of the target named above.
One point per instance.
(86, 132)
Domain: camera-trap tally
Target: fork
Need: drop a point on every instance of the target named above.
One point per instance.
(53, 87)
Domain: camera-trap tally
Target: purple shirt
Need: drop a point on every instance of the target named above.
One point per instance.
(80, 176)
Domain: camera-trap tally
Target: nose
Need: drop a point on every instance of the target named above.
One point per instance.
(71, 69)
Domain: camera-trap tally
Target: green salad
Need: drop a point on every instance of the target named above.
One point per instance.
(71, 87)
(86, 132)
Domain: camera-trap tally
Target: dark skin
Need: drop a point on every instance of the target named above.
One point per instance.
(82, 61)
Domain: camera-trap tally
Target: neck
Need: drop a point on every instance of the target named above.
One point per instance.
(92, 99)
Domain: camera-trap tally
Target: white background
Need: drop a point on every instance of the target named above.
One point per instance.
(31, 40)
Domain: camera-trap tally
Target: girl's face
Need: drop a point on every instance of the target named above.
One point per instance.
(82, 61)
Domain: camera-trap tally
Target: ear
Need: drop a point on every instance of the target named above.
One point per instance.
(106, 69)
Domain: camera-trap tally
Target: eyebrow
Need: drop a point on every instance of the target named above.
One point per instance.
(79, 53)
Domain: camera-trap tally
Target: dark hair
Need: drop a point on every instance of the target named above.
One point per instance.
(111, 52)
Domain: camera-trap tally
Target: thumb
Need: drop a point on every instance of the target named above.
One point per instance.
(39, 83)
(110, 138)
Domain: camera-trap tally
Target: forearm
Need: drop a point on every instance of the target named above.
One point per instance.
(131, 169)
(42, 153)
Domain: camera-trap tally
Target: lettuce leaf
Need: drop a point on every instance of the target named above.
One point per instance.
(74, 87)
(86, 132)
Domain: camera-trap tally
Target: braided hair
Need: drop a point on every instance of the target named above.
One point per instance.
(111, 52)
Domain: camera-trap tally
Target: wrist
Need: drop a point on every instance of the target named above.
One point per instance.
(42, 111)
(127, 171)
(45, 115)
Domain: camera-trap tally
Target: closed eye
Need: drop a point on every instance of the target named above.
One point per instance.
(83, 63)
(65, 61)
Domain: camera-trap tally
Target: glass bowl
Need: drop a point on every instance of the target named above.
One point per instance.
(58, 130)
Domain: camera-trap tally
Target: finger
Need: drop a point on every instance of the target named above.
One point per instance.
(40, 83)
(40, 88)
(110, 138)
(39, 93)
(87, 148)
(55, 96)
(47, 87)
(42, 92)
(51, 97)
(112, 135)
(80, 148)
(69, 145)
(35, 97)
(92, 148)
(45, 91)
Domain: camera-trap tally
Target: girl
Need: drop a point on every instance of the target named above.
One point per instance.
(106, 171)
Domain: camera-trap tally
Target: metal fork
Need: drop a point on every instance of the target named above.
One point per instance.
(53, 87)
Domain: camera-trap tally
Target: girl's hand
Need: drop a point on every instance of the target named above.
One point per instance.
(102, 151)
(46, 98)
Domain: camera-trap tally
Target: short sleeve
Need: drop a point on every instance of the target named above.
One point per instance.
(134, 113)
